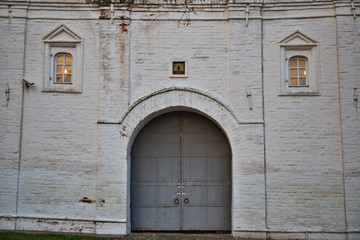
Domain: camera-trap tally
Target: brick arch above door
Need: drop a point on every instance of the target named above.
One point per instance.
(178, 98)
(245, 140)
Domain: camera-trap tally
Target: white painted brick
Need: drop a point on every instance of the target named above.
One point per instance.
(78, 145)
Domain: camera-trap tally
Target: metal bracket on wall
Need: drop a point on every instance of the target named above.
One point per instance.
(10, 13)
(112, 12)
(248, 95)
(353, 9)
(7, 92)
(356, 97)
(247, 11)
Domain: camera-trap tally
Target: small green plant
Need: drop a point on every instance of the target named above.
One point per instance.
(41, 236)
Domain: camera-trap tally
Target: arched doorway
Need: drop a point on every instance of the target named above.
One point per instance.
(181, 175)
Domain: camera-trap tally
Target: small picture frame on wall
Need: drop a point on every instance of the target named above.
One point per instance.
(179, 68)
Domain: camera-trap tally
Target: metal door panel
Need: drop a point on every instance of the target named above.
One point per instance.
(192, 123)
(146, 146)
(217, 149)
(160, 140)
(145, 169)
(169, 149)
(194, 218)
(196, 195)
(195, 169)
(143, 218)
(144, 195)
(149, 127)
(168, 169)
(203, 172)
(212, 136)
(164, 138)
(219, 218)
(181, 177)
(169, 218)
(168, 213)
(193, 149)
(193, 137)
(168, 123)
(218, 195)
(166, 195)
(218, 170)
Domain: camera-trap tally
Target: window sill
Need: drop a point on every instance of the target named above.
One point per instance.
(60, 91)
(299, 87)
(63, 83)
(299, 94)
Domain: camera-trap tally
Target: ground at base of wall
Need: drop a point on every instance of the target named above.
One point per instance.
(133, 236)
(44, 236)
(177, 236)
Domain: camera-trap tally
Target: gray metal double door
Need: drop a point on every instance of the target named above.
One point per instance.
(181, 175)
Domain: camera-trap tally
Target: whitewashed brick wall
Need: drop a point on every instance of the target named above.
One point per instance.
(348, 31)
(295, 175)
(11, 58)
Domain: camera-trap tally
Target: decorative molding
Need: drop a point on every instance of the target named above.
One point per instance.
(297, 38)
(62, 34)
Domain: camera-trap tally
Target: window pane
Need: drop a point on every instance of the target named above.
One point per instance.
(302, 63)
(293, 62)
(68, 69)
(68, 60)
(59, 69)
(293, 82)
(302, 72)
(60, 59)
(67, 78)
(59, 78)
(293, 72)
(302, 81)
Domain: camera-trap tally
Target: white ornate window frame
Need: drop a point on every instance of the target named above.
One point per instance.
(299, 45)
(63, 40)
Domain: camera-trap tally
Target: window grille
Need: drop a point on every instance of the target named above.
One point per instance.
(63, 68)
(298, 72)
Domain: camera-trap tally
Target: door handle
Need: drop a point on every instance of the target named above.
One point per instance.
(176, 201)
(186, 201)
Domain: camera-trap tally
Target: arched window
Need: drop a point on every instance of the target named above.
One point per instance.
(63, 62)
(298, 71)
